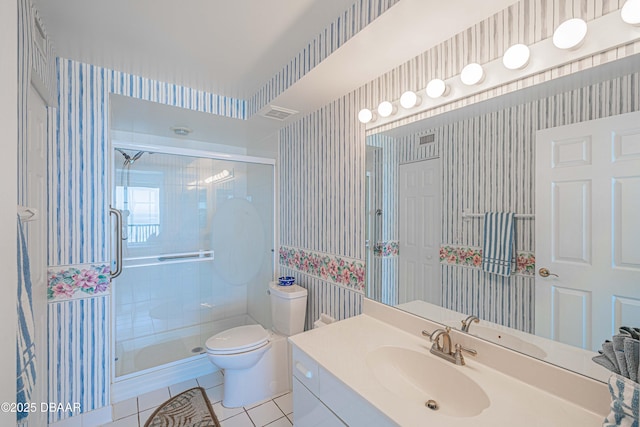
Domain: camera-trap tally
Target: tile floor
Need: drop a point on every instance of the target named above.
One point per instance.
(277, 412)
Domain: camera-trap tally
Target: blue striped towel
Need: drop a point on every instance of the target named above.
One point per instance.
(497, 251)
(625, 402)
(26, 355)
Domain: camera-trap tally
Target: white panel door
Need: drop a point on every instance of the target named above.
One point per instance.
(419, 222)
(36, 232)
(587, 226)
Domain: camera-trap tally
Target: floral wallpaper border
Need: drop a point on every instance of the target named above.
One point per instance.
(78, 281)
(342, 271)
(472, 257)
(386, 249)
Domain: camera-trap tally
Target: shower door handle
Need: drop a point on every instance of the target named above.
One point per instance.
(118, 241)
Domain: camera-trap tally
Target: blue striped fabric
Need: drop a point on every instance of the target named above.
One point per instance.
(497, 251)
(25, 349)
(625, 402)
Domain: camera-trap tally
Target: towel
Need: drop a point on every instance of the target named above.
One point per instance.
(497, 251)
(631, 350)
(609, 353)
(602, 360)
(625, 402)
(25, 348)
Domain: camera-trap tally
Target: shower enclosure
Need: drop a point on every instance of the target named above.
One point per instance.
(197, 251)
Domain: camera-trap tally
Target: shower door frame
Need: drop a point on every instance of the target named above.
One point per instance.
(128, 385)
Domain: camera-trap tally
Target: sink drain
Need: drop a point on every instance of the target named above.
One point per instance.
(197, 350)
(432, 404)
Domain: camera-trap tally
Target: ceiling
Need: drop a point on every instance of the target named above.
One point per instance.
(233, 48)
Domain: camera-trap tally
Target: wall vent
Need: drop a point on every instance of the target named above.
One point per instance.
(428, 139)
(278, 113)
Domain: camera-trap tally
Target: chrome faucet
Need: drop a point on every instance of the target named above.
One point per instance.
(466, 323)
(446, 340)
(444, 350)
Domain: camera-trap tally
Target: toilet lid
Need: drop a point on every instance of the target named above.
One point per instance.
(238, 339)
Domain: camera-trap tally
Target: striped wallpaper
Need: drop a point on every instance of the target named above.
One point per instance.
(338, 32)
(79, 357)
(321, 182)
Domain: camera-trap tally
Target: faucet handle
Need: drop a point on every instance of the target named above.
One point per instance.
(460, 348)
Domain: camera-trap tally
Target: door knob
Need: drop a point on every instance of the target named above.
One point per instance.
(544, 272)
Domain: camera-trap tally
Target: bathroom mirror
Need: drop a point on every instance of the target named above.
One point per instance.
(429, 184)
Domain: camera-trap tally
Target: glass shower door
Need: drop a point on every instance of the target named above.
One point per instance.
(197, 253)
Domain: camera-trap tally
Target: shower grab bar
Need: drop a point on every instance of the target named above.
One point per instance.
(119, 237)
(208, 254)
(164, 259)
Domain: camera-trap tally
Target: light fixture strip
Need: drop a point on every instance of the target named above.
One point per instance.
(607, 32)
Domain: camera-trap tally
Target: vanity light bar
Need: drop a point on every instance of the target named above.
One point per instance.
(568, 43)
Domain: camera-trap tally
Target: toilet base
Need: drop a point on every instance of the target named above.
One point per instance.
(267, 378)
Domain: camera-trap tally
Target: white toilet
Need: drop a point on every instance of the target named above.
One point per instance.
(256, 361)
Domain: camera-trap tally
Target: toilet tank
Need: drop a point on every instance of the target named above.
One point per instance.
(288, 308)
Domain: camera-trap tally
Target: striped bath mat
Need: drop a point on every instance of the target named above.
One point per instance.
(190, 408)
(497, 251)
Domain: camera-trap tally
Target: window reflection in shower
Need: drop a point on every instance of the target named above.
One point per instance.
(197, 256)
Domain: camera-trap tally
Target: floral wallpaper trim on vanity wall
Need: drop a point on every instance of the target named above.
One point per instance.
(472, 257)
(78, 281)
(342, 271)
(386, 249)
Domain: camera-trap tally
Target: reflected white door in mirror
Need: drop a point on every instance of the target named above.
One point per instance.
(419, 222)
(587, 229)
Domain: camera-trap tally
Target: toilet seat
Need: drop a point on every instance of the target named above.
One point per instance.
(238, 340)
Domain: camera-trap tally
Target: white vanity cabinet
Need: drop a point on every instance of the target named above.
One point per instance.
(320, 399)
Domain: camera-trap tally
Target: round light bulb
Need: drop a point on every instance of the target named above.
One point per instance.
(409, 99)
(436, 88)
(472, 74)
(365, 115)
(570, 34)
(385, 109)
(630, 12)
(516, 57)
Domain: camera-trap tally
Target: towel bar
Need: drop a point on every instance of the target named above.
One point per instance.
(470, 215)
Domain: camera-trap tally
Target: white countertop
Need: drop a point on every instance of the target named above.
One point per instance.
(341, 349)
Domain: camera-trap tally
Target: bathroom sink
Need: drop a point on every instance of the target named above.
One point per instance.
(506, 339)
(420, 377)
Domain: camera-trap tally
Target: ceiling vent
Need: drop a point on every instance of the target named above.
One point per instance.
(428, 139)
(278, 113)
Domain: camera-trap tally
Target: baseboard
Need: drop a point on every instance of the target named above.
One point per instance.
(135, 385)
